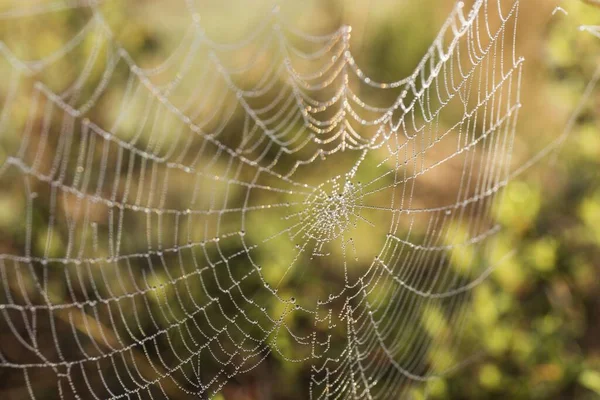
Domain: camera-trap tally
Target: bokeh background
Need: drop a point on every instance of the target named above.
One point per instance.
(534, 323)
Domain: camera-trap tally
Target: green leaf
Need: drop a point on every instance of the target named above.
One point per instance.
(591, 380)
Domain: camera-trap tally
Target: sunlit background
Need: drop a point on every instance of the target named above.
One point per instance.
(528, 327)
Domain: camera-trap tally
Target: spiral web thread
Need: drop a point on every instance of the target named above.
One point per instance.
(182, 304)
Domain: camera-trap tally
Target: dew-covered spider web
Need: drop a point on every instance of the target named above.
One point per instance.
(188, 223)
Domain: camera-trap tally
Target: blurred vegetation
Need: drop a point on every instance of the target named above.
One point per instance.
(536, 319)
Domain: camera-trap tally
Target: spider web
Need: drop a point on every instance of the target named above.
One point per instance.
(185, 222)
